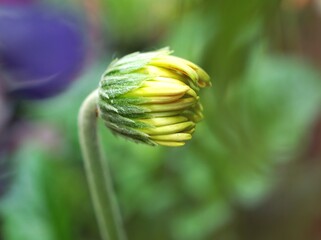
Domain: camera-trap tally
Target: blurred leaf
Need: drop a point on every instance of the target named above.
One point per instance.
(48, 200)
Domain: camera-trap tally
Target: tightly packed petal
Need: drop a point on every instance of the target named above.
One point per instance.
(152, 97)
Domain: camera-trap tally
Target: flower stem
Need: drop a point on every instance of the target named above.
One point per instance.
(97, 171)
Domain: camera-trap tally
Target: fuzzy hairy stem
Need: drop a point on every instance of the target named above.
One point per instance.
(98, 174)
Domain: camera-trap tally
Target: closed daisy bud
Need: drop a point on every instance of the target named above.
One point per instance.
(152, 97)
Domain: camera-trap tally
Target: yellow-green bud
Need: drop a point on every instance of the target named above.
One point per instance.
(152, 97)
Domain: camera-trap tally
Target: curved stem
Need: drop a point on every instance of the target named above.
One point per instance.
(97, 171)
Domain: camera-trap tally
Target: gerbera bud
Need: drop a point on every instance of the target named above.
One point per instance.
(152, 97)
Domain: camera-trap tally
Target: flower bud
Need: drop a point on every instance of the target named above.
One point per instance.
(152, 97)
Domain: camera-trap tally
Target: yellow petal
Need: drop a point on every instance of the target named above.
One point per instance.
(172, 137)
(190, 131)
(161, 99)
(189, 69)
(203, 77)
(177, 64)
(177, 105)
(167, 80)
(169, 129)
(163, 121)
(157, 91)
(163, 114)
(170, 144)
(163, 72)
(192, 93)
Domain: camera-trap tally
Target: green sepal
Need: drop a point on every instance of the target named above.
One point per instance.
(134, 61)
(114, 86)
(129, 79)
(128, 110)
(130, 133)
(126, 101)
(123, 121)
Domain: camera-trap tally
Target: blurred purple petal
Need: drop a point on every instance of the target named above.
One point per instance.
(41, 50)
(16, 2)
(5, 109)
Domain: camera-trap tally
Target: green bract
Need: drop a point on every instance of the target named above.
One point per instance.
(152, 97)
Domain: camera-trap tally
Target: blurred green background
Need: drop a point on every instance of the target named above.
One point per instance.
(253, 168)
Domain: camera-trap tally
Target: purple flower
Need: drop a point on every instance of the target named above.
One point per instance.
(15, 2)
(5, 111)
(41, 50)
